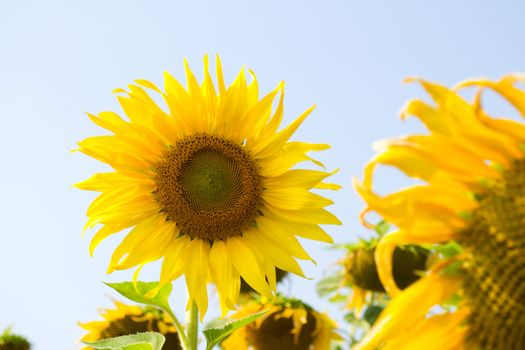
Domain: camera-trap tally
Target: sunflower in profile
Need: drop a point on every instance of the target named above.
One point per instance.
(209, 185)
(473, 169)
(359, 271)
(289, 324)
(132, 319)
(10, 341)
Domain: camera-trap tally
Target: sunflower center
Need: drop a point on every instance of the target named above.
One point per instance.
(495, 269)
(276, 332)
(209, 187)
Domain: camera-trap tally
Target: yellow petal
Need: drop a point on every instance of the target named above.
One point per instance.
(172, 264)
(248, 266)
(221, 271)
(196, 269)
(399, 314)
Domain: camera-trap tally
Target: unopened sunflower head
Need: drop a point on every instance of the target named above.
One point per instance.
(361, 275)
(289, 324)
(209, 185)
(10, 341)
(131, 319)
(473, 168)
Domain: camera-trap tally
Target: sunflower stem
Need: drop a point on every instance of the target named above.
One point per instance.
(180, 329)
(192, 324)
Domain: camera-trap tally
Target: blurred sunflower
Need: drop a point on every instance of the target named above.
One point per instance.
(289, 324)
(132, 319)
(10, 341)
(474, 169)
(208, 186)
(360, 270)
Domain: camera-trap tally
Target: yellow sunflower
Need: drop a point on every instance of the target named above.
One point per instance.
(209, 185)
(473, 167)
(289, 324)
(132, 319)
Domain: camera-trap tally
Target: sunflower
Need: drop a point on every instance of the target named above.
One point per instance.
(361, 272)
(473, 168)
(210, 185)
(289, 324)
(132, 319)
(10, 341)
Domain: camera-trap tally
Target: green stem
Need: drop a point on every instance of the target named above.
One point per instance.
(192, 324)
(182, 335)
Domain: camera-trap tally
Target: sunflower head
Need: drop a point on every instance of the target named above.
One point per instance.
(473, 171)
(358, 272)
(10, 341)
(210, 185)
(131, 319)
(289, 324)
(361, 269)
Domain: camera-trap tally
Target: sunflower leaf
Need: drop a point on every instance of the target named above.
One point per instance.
(372, 313)
(382, 228)
(139, 291)
(139, 341)
(328, 285)
(215, 335)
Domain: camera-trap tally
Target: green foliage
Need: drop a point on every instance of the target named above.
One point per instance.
(450, 249)
(372, 313)
(382, 228)
(216, 335)
(328, 284)
(139, 341)
(149, 293)
(139, 291)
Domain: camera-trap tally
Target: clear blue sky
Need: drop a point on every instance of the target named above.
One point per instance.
(60, 58)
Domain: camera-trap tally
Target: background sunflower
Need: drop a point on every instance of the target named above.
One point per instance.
(289, 324)
(354, 284)
(126, 319)
(12, 341)
(473, 168)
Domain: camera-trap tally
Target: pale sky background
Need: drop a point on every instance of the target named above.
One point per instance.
(61, 58)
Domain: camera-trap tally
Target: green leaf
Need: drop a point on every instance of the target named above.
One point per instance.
(450, 249)
(328, 285)
(382, 228)
(372, 313)
(216, 335)
(138, 292)
(338, 298)
(139, 341)
(357, 322)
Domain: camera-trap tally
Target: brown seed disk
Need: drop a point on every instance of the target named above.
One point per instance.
(495, 270)
(275, 333)
(210, 187)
